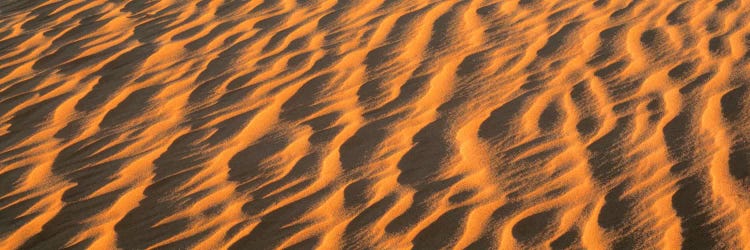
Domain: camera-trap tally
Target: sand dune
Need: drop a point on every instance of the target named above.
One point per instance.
(375, 124)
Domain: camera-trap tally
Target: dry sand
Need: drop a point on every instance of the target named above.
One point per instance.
(383, 124)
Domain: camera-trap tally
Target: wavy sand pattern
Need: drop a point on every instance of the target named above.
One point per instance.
(384, 124)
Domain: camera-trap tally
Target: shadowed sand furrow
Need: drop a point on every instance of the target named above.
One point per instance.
(387, 124)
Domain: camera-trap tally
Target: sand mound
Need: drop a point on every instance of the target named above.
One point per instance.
(384, 124)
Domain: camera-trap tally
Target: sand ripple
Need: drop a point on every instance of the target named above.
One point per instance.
(376, 124)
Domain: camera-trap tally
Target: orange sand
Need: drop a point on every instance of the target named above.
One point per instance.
(383, 124)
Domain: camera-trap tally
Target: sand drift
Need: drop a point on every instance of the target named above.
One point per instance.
(374, 124)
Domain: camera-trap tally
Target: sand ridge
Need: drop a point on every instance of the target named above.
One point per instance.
(385, 124)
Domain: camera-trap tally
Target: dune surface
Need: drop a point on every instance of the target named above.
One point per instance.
(375, 124)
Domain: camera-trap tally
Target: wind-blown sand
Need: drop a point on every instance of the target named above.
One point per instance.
(381, 124)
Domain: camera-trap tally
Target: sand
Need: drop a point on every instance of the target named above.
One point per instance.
(375, 124)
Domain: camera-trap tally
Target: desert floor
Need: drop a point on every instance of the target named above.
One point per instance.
(375, 124)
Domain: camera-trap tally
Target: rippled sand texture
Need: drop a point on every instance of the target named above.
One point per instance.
(374, 124)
